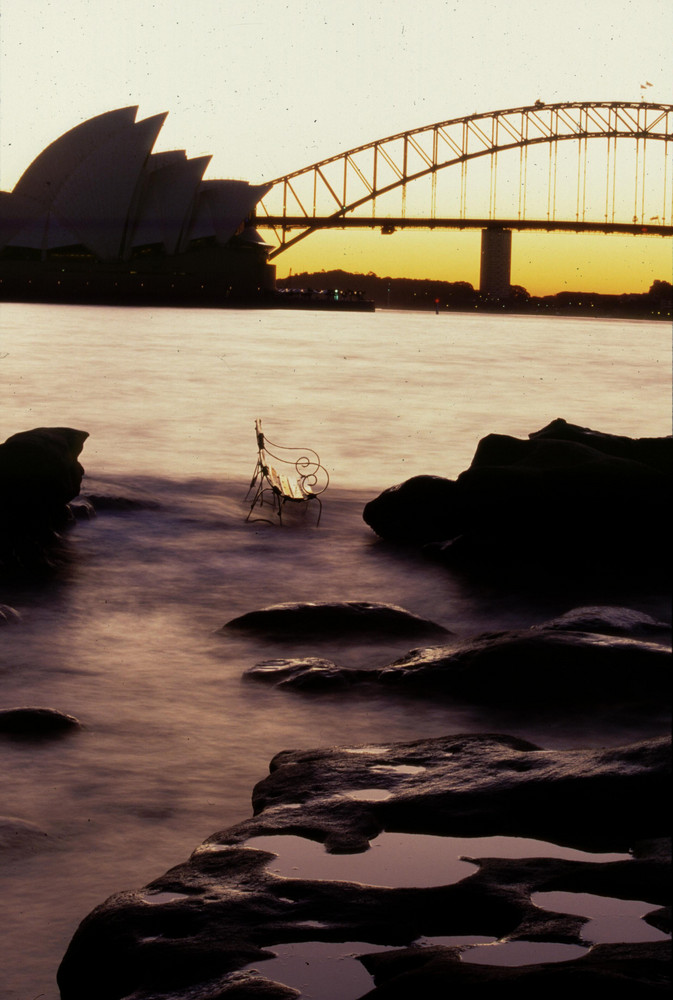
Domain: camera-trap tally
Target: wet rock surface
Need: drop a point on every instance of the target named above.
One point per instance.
(352, 618)
(197, 931)
(548, 665)
(567, 499)
(538, 667)
(611, 621)
(471, 786)
(307, 673)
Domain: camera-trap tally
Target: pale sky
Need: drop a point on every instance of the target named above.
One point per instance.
(270, 87)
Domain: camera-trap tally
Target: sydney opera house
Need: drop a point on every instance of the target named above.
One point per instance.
(99, 217)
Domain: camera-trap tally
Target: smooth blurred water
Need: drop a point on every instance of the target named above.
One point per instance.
(128, 638)
(380, 395)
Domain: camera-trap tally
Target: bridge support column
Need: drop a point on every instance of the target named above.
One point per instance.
(496, 262)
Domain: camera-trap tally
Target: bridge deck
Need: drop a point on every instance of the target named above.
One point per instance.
(544, 225)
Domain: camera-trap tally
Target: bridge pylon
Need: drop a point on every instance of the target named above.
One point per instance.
(496, 262)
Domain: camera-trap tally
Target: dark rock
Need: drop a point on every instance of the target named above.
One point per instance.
(249, 985)
(192, 931)
(546, 492)
(566, 500)
(422, 509)
(39, 475)
(39, 468)
(547, 666)
(304, 673)
(335, 619)
(479, 785)
(655, 452)
(610, 621)
(538, 667)
(36, 722)
(622, 971)
(661, 919)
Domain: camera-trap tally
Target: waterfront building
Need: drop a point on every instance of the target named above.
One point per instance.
(98, 216)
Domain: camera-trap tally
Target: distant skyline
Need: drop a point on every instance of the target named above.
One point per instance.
(270, 88)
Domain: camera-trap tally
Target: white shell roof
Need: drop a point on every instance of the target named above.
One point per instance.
(168, 202)
(100, 185)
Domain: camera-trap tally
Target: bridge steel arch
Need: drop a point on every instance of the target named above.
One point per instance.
(331, 192)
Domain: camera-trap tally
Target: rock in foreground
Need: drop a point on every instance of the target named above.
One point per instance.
(39, 475)
(335, 618)
(197, 932)
(567, 500)
(621, 972)
(549, 666)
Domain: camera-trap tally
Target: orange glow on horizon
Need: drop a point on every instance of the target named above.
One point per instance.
(543, 263)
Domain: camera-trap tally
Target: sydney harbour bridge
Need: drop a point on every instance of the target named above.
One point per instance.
(586, 167)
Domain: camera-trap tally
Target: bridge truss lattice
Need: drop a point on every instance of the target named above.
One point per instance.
(588, 166)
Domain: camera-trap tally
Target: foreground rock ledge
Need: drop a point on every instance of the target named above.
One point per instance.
(193, 933)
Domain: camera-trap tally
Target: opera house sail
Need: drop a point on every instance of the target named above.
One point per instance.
(98, 217)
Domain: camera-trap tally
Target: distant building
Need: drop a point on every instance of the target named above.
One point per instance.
(98, 216)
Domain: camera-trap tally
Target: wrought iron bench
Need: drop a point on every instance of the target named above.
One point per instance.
(284, 474)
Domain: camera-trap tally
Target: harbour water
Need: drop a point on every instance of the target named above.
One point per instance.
(127, 635)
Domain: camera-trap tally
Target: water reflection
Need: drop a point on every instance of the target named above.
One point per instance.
(407, 859)
(610, 920)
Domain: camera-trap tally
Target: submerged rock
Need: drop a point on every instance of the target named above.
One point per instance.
(337, 618)
(18, 836)
(194, 930)
(567, 500)
(304, 673)
(36, 722)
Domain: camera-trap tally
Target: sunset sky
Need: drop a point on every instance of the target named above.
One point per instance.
(268, 88)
